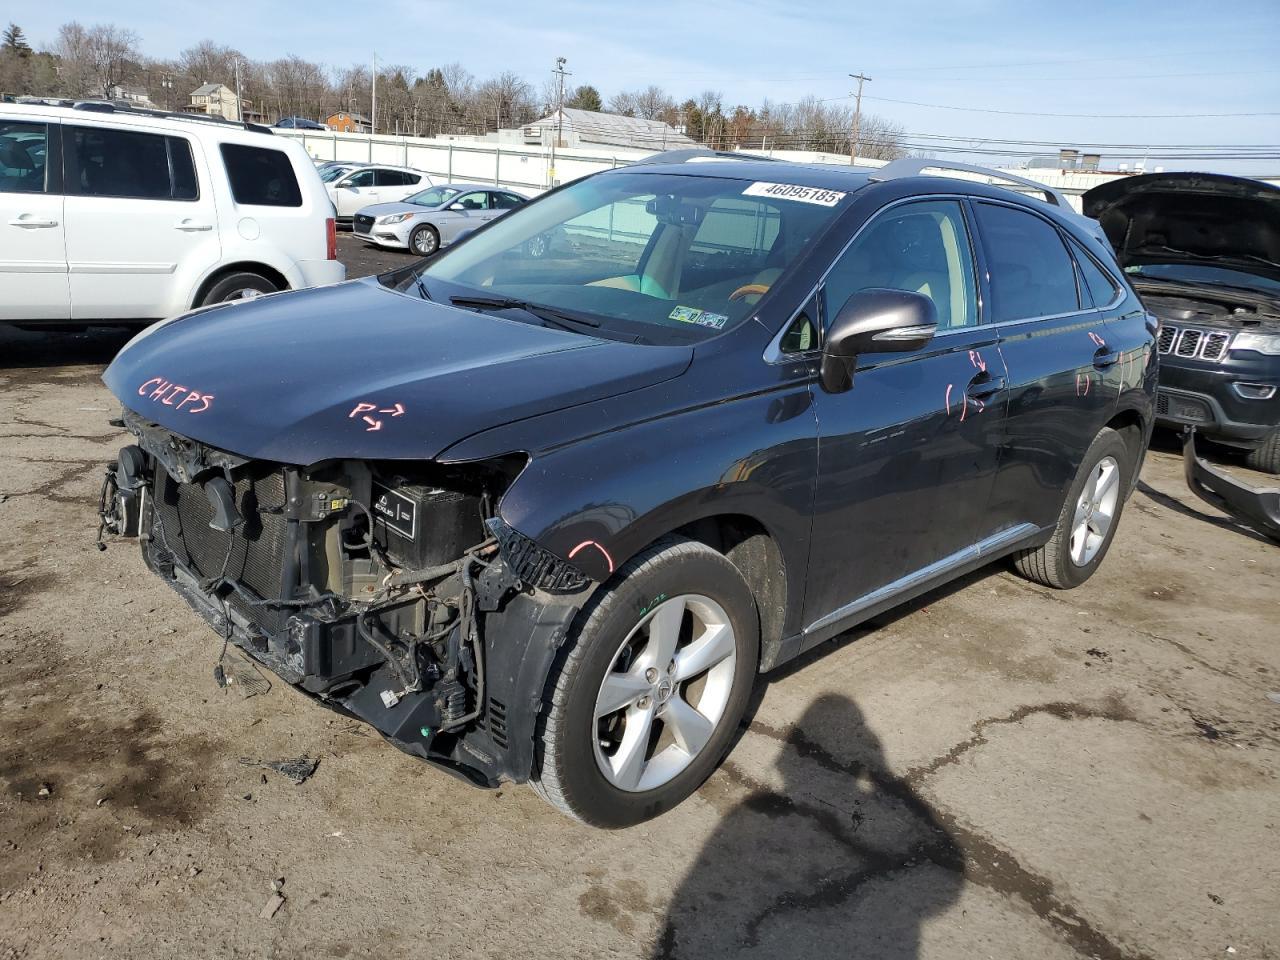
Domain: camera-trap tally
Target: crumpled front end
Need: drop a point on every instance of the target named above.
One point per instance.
(389, 591)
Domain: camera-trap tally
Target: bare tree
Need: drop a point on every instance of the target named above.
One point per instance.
(108, 53)
(208, 62)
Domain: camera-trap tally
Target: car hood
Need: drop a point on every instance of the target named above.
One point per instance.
(386, 209)
(363, 372)
(1211, 219)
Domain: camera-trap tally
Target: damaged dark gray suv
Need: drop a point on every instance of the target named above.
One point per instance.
(546, 518)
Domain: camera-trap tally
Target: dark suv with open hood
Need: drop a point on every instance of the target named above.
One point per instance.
(1203, 251)
(545, 518)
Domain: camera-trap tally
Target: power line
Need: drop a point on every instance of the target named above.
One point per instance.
(1075, 116)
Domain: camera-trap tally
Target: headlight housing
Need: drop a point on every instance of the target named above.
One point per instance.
(1266, 343)
(395, 218)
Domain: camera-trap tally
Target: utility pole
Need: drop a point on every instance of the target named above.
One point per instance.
(239, 100)
(373, 120)
(560, 73)
(857, 119)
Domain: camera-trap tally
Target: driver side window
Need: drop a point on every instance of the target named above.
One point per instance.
(921, 247)
(362, 179)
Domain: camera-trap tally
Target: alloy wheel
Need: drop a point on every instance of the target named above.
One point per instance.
(665, 693)
(1095, 511)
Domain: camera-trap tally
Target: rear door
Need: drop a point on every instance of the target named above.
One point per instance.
(907, 457)
(1059, 365)
(33, 255)
(138, 212)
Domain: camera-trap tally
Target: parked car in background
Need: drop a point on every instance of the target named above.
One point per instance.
(299, 123)
(1203, 251)
(372, 183)
(111, 214)
(544, 519)
(331, 170)
(435, 217)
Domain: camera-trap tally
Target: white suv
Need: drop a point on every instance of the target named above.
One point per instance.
(370, 183)
(110, 214)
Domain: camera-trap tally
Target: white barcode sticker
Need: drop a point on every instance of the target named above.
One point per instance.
(793, 191)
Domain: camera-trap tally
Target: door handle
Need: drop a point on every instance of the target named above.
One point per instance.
(192, 226)
(1105, 357)
(984, 385)
(31, 223)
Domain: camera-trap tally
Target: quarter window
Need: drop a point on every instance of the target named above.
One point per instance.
(1097, 282)
(103, 162)
(1029, 268)
(921, 247)
(23, 155)
(260, 176)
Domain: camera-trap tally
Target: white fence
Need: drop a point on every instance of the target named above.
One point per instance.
(527, 169)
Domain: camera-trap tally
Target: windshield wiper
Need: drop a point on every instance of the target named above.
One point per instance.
(422, 287)
(542, 312)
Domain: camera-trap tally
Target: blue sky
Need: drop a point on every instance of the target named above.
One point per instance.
(1027, 58)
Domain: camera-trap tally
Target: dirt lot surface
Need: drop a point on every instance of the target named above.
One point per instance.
(998, 770)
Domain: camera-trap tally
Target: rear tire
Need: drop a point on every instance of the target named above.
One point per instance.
(1076, 548)
(1266, 457)
(682, 713)
(238, 286)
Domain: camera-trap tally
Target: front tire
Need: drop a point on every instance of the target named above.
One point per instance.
(1266, 456)
(1087, 524)
(646, 696)
(424, 240)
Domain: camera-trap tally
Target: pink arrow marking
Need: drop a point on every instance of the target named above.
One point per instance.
(394, 411)
(373, 424)
(976, 359)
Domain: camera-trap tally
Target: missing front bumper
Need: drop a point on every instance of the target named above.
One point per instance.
(1259, 507)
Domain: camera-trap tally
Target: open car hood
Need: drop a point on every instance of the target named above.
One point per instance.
(1215, 219)
(362, 372)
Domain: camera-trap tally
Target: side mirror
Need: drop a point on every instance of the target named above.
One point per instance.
(455, 206)
(876, 320)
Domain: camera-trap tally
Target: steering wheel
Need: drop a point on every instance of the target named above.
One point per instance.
(747, 289)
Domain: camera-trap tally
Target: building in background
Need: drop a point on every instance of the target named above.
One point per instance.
(218, 100)
(345, 122)
(587, 128)
(132, 94)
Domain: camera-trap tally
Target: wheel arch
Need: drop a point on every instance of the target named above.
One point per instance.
(245, 266)
(1135, 431)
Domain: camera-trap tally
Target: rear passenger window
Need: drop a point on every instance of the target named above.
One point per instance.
(23, 155)
(390, 178)
(1030, 270)
(260, 176)
(102, 162)
(506, 201)
(1097, 282)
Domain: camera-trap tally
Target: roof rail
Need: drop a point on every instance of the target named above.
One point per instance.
(914, 167)
(695, 154)
(105, 106)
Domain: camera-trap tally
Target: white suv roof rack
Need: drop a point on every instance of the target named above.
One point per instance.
(915, 167)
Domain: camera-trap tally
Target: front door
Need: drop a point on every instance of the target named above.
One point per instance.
(906, 458)
(137, 213)
(466, 213)
(33, 254)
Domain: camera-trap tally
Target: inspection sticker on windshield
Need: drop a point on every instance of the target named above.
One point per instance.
(793, 191)
(700, 317)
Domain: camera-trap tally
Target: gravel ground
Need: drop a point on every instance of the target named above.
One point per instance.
(996, 770)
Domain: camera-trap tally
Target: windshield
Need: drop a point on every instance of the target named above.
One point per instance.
(432, 197)
(1197, 273)
(651, 257)
(329, 174)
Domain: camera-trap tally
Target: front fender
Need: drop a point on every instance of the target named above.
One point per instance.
(597, 502)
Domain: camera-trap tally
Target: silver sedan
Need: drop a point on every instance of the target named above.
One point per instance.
(433, 218)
